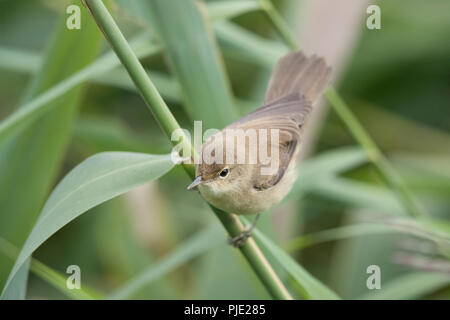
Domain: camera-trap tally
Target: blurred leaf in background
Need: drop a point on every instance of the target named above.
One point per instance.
(399, 79)
(30, 161)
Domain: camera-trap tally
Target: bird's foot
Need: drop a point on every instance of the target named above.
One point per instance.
(240, 239)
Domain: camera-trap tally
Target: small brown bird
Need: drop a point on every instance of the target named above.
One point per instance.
(243, 187)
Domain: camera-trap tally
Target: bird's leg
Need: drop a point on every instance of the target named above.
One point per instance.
(240, 239)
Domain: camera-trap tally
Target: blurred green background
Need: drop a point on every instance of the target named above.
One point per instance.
(396, 80)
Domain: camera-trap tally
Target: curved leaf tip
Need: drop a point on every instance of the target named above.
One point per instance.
(94, 181)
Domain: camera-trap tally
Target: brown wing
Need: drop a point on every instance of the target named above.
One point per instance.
(287, 151)
(288, 116)
(295, 83)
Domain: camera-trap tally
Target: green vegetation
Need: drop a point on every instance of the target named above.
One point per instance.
(82, 141)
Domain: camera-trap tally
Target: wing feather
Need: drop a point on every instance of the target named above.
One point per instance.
(295, 84)
(287, 115)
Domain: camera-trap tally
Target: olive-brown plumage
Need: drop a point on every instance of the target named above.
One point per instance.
(296, 83)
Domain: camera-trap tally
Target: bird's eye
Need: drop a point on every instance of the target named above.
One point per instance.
(223, 173)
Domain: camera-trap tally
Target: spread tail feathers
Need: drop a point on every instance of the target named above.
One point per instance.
(297, 73)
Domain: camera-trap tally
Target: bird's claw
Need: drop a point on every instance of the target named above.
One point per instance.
(240, 239)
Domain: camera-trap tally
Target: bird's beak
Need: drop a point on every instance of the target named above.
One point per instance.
(195, 183)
